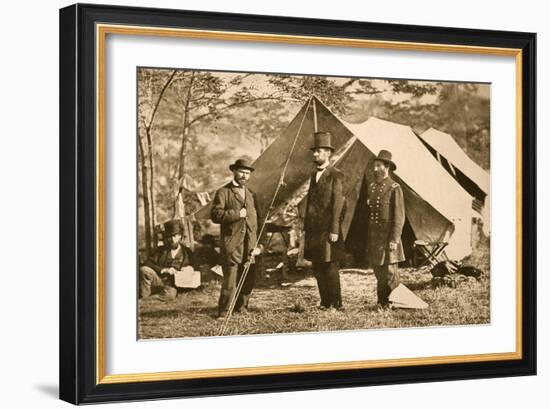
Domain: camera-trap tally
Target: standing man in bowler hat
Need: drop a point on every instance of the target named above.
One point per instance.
(386, 217)
(324, 241)
(156, 276)
(235, 209)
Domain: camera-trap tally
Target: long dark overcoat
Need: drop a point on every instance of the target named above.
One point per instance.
(386, 217)
(324, 215)
(238, 236)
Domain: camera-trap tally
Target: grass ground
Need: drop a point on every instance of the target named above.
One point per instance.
(293, 308)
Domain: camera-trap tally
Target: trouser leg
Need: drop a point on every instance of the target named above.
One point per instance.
(149, 281)
(168, 292)
(229, 284)
(319, 273)
(332, 284)
(394, 277)
(248, 285)
(380, 287)
(387, 279)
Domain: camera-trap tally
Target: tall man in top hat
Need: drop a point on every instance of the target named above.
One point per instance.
(235, 209)
(386, 217)
(156, 276)
(324, 242)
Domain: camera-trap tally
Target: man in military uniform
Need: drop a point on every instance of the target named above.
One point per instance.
(324, 241)
(235, 209)
(386, 217)
(156, 275)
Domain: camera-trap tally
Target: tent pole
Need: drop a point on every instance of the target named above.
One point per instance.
(314, 115)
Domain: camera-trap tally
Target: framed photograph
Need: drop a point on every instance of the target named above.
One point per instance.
(257, 203)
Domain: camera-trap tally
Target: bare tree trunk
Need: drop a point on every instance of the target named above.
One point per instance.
(462, 114)
(145, 193)
(179, 203)
(148, 127)
(151, 181)
(184, 133)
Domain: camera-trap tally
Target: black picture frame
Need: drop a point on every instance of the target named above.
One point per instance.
(78, 198)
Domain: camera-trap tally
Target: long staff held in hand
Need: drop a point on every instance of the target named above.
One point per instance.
(249, 262)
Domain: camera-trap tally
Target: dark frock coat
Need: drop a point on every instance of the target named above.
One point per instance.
(238, 235)
(323, 216)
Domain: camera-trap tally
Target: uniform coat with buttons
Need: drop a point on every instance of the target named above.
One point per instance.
(386, 217)
(324, 215)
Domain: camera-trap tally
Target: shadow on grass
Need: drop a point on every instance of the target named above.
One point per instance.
(418, 286)
(172, 313)
(209, 310)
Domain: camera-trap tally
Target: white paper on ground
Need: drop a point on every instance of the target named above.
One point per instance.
(187, 277)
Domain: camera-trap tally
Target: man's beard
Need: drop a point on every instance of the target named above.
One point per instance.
(174, 245)
(318, 162)
(241, 181)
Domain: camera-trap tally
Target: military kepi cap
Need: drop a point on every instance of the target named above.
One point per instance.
(242, 164)
(385, 156)
(322, 139)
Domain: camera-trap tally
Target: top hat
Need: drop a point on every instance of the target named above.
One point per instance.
(322, 140)
(241, 164)
(172, 227)
(385, 156)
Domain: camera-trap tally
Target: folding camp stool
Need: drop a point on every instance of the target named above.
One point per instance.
(430, 251)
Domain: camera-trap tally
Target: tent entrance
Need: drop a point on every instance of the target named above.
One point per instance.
(408, 238)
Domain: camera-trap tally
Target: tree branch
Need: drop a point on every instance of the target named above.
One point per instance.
(233, 105)
(155, 108)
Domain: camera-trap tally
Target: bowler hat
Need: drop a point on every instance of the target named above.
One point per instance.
(385, 156)
(321, 139)
(241, 164)
(172, 227)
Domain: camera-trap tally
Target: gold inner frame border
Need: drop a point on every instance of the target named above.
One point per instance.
(102, 30)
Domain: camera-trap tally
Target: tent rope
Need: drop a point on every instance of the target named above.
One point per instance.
(249, 262)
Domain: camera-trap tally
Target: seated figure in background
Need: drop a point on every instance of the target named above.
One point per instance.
(156, 275)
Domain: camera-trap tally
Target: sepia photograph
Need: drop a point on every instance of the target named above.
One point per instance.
(273, 203)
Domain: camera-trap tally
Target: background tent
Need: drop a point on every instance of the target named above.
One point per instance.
(472, 177)
(296, 141)
(437, 208)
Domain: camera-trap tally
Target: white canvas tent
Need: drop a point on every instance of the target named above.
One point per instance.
(472, 177)
(437, 208)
